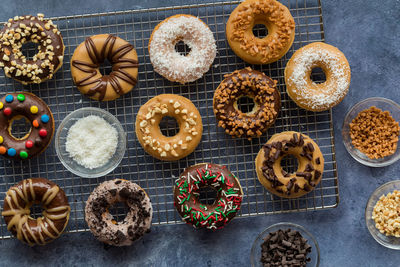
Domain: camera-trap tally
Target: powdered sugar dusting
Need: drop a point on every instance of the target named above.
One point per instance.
(174, 66)
(331, 92)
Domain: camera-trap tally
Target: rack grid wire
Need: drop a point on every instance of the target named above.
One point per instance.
(155, 176)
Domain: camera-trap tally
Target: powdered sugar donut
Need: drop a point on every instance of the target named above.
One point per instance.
(101, 223)
(170, 63)
(308, 94)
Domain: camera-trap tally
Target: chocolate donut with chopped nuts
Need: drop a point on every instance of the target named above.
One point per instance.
(278, 181)
(169, 147)
(22, 29)
(101, 223)
(252, 84)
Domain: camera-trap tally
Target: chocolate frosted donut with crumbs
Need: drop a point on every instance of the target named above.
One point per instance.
(252, 84)
(137, 221)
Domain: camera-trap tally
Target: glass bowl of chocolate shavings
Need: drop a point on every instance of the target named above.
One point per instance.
(285, 244)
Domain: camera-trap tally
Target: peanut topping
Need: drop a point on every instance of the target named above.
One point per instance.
(386, 214)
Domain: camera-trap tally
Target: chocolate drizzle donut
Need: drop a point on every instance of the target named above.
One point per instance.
(25, 105)
(187, 191)
(87, 59)
(277, 180)
(253, 84)
(16, 211)
(137, 221)
(23, 29)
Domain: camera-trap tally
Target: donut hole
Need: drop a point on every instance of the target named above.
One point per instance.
(36, 210)
(260, 31)
(169, 126)
(182, 48)
(20, 127)
(245, 104)
(118, 211)
(289, 164)
(29, 50)
(105, 68)
(318, 75)
(208, 195)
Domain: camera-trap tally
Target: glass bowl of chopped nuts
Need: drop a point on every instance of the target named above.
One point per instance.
(382, 215)
(294, 242)
(371, 132)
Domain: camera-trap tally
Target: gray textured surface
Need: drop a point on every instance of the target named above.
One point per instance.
(369, 34)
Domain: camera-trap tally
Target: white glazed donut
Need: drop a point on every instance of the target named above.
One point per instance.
(137, 221)
(174, 66)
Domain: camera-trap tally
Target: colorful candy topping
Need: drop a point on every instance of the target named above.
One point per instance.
(29, 144)
(43, 132)
(7, 111)
(9, 98)
(3, 150)
(23, 154)
(35, 123)
(1, 105)
(34, 109)
(21, 97)
(45, 118)
(11, 152)
(1, 139)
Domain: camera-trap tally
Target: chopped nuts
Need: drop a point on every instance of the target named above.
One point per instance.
(386, 214)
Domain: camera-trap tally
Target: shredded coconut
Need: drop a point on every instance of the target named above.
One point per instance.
(333, 90)
(91, 141)
(174, 66)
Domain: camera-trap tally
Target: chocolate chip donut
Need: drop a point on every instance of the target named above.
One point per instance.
(16, 211)
(187, 191)
(310, 164)
(101, 223)
(255, 85)
(15, 106)
(22, 29)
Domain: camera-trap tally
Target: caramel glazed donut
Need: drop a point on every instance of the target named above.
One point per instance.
(277, 19)
(310, 164)
(148, 127)
(137, 221)
(15, 106)
(16, 211)
(187, 191)
(45, 63)
(253, 84)
(91, 53)
(170, 63)
(305, 92)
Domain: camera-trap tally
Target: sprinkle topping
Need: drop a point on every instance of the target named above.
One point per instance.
(1, 105)
(43, 133)
(34, 109)
(7, 111)
(1, 139)
(45, 118)
(3, 150)
(23, 154)
(35, 123)
(11, 152)
(29, 144)
(9, 98)
(21, 97)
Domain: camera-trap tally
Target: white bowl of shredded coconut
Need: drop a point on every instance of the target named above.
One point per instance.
(90, 142)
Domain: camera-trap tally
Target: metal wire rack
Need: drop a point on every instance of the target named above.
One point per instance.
(157, 177)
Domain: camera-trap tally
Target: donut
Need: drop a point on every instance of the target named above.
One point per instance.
(277, 19)
(278, 181)
(55, 215)
(88, 57)
(200, 215)
(195, 34)
(308, 94)
(137, 221)
(15, 106)
(23, 29)
(148, 127)
(246, 83)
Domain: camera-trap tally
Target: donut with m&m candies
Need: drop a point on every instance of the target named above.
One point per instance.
(15, 106)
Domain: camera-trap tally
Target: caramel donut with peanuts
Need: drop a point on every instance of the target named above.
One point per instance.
(16, 211)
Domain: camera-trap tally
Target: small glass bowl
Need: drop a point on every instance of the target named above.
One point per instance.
(383, 104)
(72, 165)
(387, 241)
(255, 255)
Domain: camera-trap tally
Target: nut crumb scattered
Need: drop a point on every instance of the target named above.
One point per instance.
(386, 214)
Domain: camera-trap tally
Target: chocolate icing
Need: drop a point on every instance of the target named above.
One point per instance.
(19, 108)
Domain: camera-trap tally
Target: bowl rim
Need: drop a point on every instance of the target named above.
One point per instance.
(348, 146)
(367, 217)
(57, 143)
(284, 224)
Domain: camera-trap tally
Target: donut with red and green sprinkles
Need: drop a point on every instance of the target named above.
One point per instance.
(16, 106)
(200, 215)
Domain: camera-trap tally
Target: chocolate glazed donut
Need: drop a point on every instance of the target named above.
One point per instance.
(16, 211)
(255, 85)
(94, 51)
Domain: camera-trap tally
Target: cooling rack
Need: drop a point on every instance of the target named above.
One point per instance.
(157, 177)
